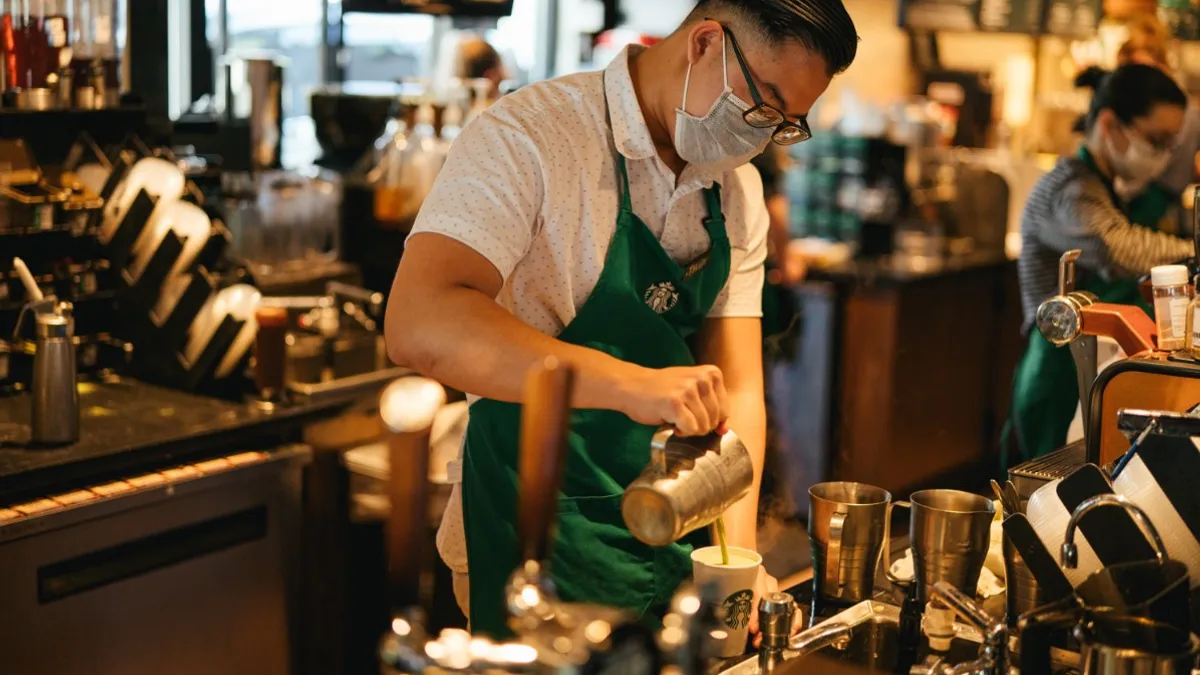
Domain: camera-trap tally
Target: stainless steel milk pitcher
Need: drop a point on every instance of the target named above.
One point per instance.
(846, 526)
(687, 485)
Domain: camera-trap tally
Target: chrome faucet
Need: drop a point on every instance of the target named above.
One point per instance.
(993, 653)
(1070, 553)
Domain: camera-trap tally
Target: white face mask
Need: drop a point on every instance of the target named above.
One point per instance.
(1140, 164)
(721, 140)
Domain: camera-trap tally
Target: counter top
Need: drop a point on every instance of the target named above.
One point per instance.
(897, 269)
(127, 426)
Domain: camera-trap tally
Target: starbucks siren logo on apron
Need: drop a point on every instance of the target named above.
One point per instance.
(662, 297)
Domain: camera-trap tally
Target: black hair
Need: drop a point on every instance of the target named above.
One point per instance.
(1091, 78)
(822, 26)
(1132, 91)
(479, 59)
(1088, 78)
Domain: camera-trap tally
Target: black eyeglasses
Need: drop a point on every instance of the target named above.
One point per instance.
(763, 115)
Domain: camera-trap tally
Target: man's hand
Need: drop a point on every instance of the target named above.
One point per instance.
(692, 399)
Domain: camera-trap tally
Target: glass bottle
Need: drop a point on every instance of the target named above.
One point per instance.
(1193, 323)
(1172, 298)
(35, 45)
(82, 49)
(9, 20)
(55, 29)
(387, 176)
(104, 69)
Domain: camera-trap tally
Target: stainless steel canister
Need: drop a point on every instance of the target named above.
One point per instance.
(846, 526)
(687, 485)
(55, 415)
(251, 90)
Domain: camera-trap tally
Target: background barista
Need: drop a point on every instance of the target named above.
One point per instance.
(603, 218)
(1131, 126)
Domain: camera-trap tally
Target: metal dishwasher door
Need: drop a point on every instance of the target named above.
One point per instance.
(195, 577)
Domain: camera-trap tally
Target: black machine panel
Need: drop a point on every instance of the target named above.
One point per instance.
(492, 8)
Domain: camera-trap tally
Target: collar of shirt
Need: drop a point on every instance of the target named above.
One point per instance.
(630, 131)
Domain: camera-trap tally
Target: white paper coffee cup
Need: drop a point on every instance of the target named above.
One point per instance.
(734, 586)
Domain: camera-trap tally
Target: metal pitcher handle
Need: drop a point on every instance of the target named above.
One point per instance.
(833, 555)
(658, 449)
(887, 546)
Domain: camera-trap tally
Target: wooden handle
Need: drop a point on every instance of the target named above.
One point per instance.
(545, 421)
(407, 408)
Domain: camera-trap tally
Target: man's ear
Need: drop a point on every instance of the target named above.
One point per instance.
(702, 38)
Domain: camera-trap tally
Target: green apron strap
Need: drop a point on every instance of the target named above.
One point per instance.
(714, 223)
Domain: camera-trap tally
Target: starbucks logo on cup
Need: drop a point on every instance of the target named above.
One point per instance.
(736, 609)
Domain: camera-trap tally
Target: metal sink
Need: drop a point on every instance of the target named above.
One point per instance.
(871, 642)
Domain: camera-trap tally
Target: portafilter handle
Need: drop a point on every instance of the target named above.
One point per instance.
(1066, 271)
(407, 408)
(545, 419)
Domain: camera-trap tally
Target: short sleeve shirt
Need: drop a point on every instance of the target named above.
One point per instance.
(531, 185)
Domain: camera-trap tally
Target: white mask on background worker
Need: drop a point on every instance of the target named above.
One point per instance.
(1137, 166)
(721, 140)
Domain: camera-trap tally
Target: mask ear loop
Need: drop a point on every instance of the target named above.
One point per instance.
(687, 78)
(725, 61)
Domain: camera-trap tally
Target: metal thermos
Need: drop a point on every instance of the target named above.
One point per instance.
(688, 484)
(55, 416)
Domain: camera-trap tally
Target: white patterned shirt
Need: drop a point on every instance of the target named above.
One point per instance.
(531, 185)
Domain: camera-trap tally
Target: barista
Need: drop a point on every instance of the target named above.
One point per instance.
(1131, 126)
(1149, 42)
(609, 219)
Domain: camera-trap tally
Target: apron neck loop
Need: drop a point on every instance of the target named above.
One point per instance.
(622, 171)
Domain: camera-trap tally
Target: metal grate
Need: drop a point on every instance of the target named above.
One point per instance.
(1031, 475)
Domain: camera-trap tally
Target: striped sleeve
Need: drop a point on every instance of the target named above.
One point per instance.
(1087, 219)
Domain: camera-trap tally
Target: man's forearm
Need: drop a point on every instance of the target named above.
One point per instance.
(462, 338)
(748, 419)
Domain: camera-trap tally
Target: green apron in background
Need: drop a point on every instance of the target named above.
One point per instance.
(643, 310)
(1045, 388)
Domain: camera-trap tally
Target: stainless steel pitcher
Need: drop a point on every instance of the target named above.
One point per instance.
(950, 532)
(1111, 642)
(846, 526)
(687, 485)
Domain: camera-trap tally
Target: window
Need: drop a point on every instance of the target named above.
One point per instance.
(289, 28)
(386, 47)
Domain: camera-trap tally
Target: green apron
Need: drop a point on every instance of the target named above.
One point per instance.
(643, 310)
(1045, 389)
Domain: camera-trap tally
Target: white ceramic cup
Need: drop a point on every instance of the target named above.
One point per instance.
(734, 585)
